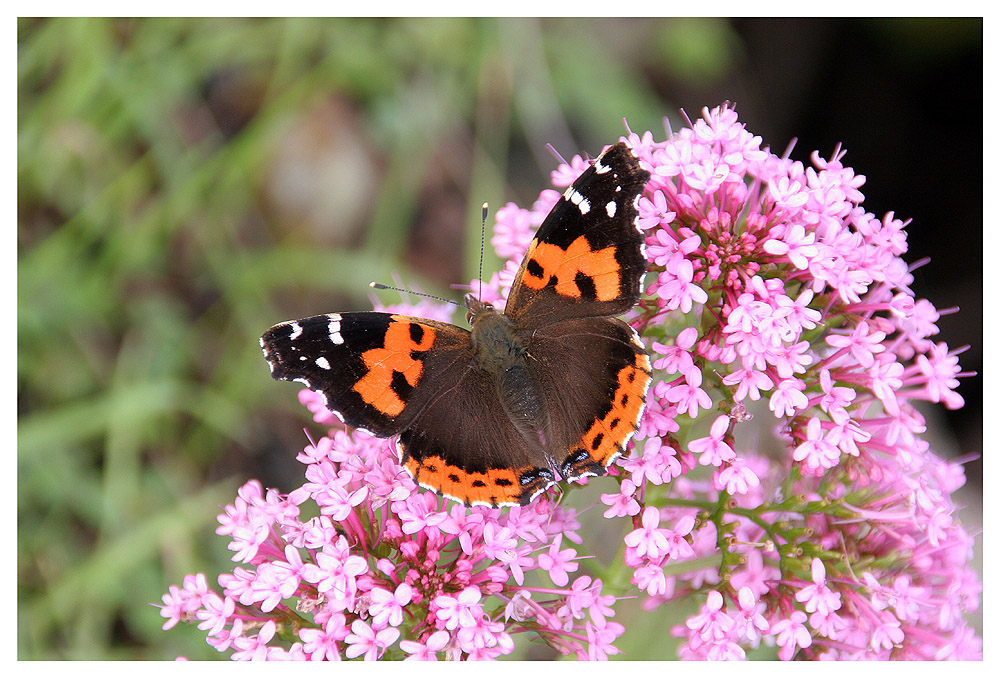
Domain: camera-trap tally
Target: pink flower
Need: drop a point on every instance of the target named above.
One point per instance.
(512, 232)
(320, 644)
(460, 611)
(649, 541)
(600, 640)
(181, 603)
(620, 504)
(795, 244)
(816, 596)
(688, 395)
(387, 608)
(791, 634)
(335, 573)
(216, 612)
(750, 622)
(712, 624)
(426, 651)
(713, 449)
(886, 632)
(788, 398)
(364, 640)
(816, 453)
(558, 563)
(254, 647)
(862, 343)
(736, 477)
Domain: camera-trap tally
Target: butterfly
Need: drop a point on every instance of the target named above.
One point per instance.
(553, 386)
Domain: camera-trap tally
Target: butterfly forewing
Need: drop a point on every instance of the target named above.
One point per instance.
(587, 257)
(366, 365)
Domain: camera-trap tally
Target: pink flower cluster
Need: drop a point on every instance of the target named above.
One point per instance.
(387, 571)
(825, 529)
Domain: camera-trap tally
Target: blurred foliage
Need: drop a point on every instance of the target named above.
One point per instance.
(185, 183)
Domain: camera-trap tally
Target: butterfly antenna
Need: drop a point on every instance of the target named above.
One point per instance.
(556, 154)
(482, 246)
(380, 286)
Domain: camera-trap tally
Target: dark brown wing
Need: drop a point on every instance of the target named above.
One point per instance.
(464, 446)
(595, 373)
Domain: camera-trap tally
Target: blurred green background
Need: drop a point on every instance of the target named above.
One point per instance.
(185, 183)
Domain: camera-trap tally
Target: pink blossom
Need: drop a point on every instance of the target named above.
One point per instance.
(653, 212)
(713, 449)
(215, 613)
(558, 563)
(886, 632)
(658, 463)
(459, 611)
(862, 343)
(736, 477)
(788, 398)
(688, 395)
(600, 640)
(320, 644)
(750, 383)
(254, 647)
(816, 596)
(387, 608)
(712, 624)
(795, 244)
(750, 622)
(816, 452)
(364, 640)
(649, 541)
(426, 651)
(791, 634)
(513, 231)
(620, 504)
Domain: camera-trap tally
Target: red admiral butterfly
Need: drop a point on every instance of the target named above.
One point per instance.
(554, 384)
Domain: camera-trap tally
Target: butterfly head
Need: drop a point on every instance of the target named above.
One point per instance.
(476, 308)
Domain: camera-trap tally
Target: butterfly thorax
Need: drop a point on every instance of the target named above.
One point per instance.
(500, 350)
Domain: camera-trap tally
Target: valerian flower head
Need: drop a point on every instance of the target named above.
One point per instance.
(824, 529)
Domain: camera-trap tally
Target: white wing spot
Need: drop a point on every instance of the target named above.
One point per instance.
(334, 327)
(296, 331)
(577, 199)
(323, 363)
(600, 167)
(611, 207)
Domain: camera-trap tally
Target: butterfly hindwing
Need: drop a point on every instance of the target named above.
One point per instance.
(592, 425)
(587, 257)
(463, 445)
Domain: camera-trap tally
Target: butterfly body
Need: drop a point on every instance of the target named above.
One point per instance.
(553, 386)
